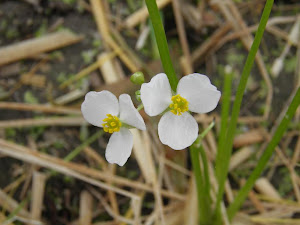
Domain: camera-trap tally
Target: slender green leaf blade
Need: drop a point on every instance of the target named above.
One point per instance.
(243, 193)
(162, 44)
(238, 100)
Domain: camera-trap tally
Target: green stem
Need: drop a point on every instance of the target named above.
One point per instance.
(243, 193)
(86, 143)
(140, 107)
(205, 132)
(227, 148)
(224, 117)
(202, 181)
(17, 209)
(162, 44)
(155, 51)
(203, 209)
(222, 137)
(206, 189)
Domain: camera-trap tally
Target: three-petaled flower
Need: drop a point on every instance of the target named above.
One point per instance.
(102, 109)
(177, 128)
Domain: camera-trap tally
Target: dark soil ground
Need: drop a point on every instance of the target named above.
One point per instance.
(20, 20)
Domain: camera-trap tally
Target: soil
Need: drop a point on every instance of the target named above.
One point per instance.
(20, 20)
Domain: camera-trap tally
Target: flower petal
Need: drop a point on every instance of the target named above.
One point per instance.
(119, 147)
(97, 104)
(202, 96)
(156, 95)
(129, 114)
(178, 132)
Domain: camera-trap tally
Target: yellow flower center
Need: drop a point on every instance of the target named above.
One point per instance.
(179, 105)
(111, 124)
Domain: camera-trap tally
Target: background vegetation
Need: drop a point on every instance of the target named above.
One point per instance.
(53, 169)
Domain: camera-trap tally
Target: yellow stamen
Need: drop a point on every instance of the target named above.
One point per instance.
(111, 124)
(179, 105)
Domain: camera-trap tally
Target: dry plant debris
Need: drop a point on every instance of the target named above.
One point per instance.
(53, 52)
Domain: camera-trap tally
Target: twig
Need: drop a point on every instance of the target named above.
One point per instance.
(25, 49)
(107, 69)
(141, 15)
(239, 157)
(56, 121)
(102, 25)
(38, 188)
(39, 108)
(86, 208)
(249, 138)
(144, 158)
(108, 208)
(38, 157)
(34, 159)
(191, 205)
(216, 36)
(182, 37)
(266, 188)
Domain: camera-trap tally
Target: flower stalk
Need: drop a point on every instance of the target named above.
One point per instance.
(86, 143)
(202, 177)
(140, 107)
(162, 44)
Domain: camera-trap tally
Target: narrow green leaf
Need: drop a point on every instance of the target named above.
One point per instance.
(227, 148)
(206, 189)
(226, 94)
(202, 207)
(202, 178)
(243, 192)
(17, 209)
(162, 44)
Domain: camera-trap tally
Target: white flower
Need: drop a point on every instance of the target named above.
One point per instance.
(177, 128)
(102, 109)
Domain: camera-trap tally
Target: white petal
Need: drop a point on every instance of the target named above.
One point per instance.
(119, 147)
(156, 95)
(129, 114)
(178, 132)
(202, 96)
(97, 104)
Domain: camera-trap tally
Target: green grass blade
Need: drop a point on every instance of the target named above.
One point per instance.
(202, 178)
(203, 208)
(154, 46)
(243, 193)
(17, 209)
(206, 189)
(162, 44)
(226, 94)
(227, 148)
(86, 143)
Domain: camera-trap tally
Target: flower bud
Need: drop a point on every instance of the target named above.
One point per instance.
(137, 78)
